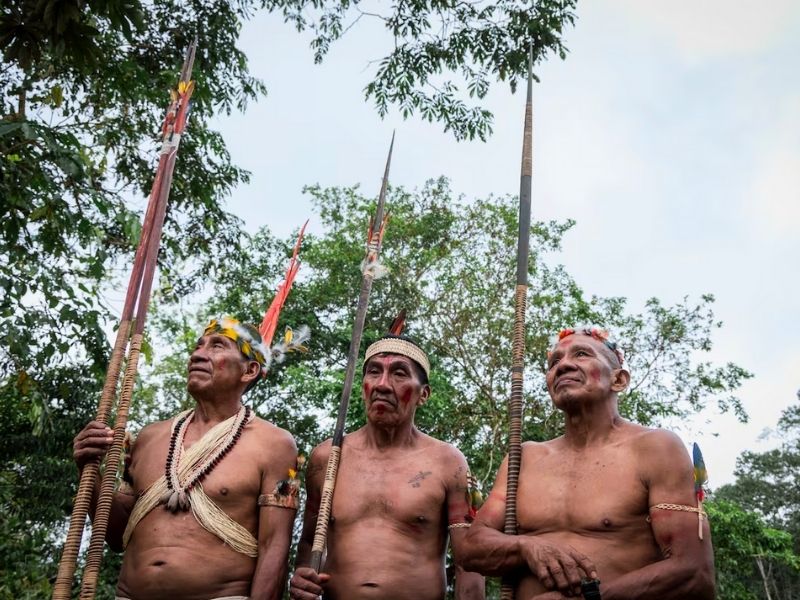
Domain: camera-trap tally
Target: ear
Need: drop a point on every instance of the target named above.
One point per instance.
(252, 370)
(620, 380)
(424, 394)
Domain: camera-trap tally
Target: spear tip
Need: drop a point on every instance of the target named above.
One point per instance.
(384, 186)
(188, 61)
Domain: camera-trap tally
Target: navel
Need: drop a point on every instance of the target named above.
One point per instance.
(606, 523)
(224, 491)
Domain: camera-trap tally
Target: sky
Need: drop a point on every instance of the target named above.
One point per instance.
(671, 134)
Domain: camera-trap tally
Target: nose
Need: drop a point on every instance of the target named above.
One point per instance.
(564, 365)
(383, 380)
(198, 354)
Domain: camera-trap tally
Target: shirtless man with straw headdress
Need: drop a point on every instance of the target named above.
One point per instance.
(399, 493)
(209, 498)
(609, 500)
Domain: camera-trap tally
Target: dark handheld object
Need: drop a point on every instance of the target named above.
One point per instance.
(518, 340)
(590, 589)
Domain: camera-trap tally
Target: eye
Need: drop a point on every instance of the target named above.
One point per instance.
(552, 364)
(581, 353)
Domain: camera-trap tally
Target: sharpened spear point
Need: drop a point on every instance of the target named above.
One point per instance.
(384, 185)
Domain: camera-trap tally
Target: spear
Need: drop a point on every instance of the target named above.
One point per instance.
(518, 343)
(371, 269)
(133, 317)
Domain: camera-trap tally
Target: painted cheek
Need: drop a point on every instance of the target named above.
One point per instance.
(405, 395)
(594, 374)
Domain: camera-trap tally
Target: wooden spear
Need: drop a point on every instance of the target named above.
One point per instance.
(369, 271)
(518, 343)
(136, 299)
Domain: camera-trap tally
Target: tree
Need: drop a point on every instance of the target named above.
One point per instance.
(753, 561)
(84, 89)
(82, 94)
(766, 482)
(468, 41)
(38, 479)
(451, 266)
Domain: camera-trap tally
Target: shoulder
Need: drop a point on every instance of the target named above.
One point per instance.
(662, 455)
(658, 443)
(320, 454)
(534, 450)
(272, 438)
(441, 452)
(152, 432)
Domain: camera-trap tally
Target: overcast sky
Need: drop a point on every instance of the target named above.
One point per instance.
(671, 133)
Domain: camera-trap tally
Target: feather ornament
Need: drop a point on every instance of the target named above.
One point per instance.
(700, 479)
(399, 323)
(270, 321)
(293, 341)
(371, 265)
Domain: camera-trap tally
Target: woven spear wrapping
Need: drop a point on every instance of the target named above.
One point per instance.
(136, 302)
(518, 342)
(370, 268)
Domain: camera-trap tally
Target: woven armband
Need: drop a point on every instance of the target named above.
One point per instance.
(458, 526)
(279, 500)
(680, 508)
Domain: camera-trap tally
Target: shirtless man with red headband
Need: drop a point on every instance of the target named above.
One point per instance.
(609, 500)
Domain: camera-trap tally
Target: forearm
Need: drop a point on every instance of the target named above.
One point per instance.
(121, 508)
(469, 585)
(490, 552)
(667, 580)
(303, 558)
(269, 578)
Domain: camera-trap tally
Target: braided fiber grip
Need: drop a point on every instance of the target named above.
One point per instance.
(94, 556)
(325, 506)
(515, 423)
(62, 590)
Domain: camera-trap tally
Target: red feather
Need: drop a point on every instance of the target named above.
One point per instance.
(398, 324)
(270, 322)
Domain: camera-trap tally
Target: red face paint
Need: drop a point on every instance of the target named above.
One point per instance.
(391, 385)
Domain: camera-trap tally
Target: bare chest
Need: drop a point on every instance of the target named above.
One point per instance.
(601, 493)
(236, 476)
(410, 492)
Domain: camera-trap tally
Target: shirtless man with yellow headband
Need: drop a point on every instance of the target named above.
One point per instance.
(609, 500)
(210, 496)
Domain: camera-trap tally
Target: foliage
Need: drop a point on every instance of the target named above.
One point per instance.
(77, 141)
(766, 482)
(451, 267)
(38, 478)
(753, 560)
(471, 41)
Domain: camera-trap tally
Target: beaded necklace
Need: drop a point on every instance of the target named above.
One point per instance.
(177, 495)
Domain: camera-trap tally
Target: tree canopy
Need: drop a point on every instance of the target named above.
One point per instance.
(451, 266)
